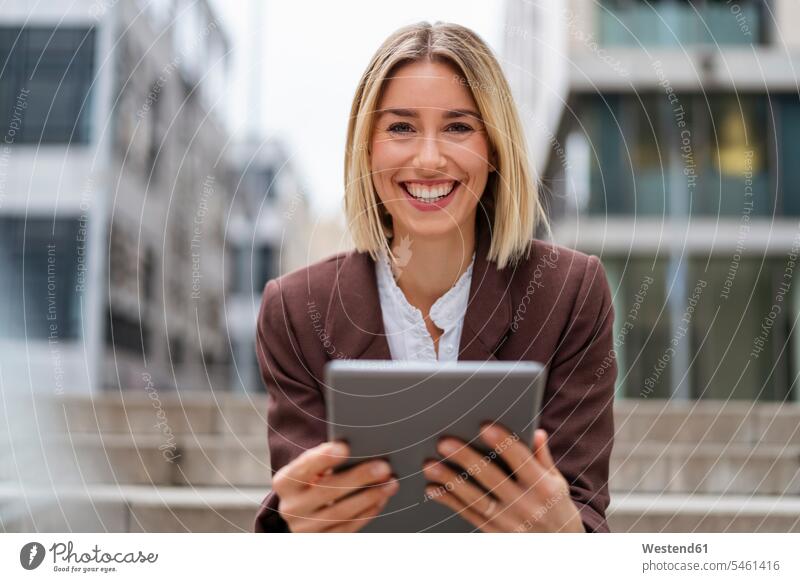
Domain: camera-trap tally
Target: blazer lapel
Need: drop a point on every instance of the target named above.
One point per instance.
(354, 316)
(488, 315)
(355, 320)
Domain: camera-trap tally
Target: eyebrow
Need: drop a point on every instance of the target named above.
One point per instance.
(448, 114)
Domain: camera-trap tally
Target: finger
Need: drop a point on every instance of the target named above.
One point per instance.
(481, 467)
(354, 505)
(456, 483)
(360, 520)
(457, 506)
(517, 455)
(470, 495)
(334, 486)
(302, 521)
(303, 470)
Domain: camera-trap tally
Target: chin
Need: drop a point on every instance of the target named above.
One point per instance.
(433, 229)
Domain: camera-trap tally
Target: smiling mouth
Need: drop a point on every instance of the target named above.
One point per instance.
(432, 193)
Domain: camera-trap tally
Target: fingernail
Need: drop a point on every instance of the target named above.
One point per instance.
(448, 446)
(339, 449)
(391, 486)
(380, 468)
(491, 431)
(432, 468)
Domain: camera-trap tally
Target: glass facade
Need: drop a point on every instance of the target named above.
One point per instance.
(738, 344)
(731, 152)
(719, 157)
(679, 22)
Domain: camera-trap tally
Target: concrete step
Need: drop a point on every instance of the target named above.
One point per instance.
(150, 413)
(711, 421)
(141, 461)
(132, 508)
(227, 461)
(143, 412)
(708, 421)
(208, 460)
(198, 460)
(183, 509)
(703, 513)
(706, 468)
(701, 447)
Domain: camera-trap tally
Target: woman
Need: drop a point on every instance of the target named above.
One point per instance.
(442, 209)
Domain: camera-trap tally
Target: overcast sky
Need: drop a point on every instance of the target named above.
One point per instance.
(312, 54)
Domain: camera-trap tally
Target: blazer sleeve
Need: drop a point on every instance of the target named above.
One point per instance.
(578, 403)
(295, 409)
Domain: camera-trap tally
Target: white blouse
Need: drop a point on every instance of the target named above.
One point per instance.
(406, 334)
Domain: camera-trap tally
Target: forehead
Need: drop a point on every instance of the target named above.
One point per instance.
(426, 85)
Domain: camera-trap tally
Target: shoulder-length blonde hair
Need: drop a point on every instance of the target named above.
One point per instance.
(511, 198)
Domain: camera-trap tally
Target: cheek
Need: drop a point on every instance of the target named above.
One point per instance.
(386, 157)
(382, 168)
(476, 157)
(385, 161)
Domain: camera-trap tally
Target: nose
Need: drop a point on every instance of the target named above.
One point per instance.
(429, 154)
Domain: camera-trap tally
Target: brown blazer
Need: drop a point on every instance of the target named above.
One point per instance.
(554, 307)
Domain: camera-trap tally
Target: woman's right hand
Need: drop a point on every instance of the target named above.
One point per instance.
(312, 498)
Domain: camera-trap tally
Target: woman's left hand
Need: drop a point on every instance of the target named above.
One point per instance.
(537, 501)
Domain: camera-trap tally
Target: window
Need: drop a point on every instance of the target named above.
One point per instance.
(268, 182)
(729, 143)
(649, 159)
(679, 22)
(38, 262)
(787, 129)
(127, 334)
(266, 267)
(720, 313)
(609, 175)
(641, 325)
(177, 351)
(261, 181)
(148, 277)
(52, 71)
(155, 138)
(707, 155)
(735, 356)
(244, 371)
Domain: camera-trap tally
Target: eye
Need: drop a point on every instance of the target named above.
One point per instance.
(463, 127)
(395, 127)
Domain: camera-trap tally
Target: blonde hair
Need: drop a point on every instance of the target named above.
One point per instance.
(511, 199)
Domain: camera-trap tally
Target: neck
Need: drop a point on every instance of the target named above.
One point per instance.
(431, 266)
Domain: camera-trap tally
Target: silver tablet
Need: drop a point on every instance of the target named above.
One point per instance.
(398, 410)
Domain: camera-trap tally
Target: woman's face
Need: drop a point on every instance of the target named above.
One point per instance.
(430, 151)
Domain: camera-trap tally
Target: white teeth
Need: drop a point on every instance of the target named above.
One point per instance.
(429, 194)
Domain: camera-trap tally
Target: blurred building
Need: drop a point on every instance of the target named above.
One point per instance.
(136, 235)
(667, 136)
(115, 190)
(267, 235)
